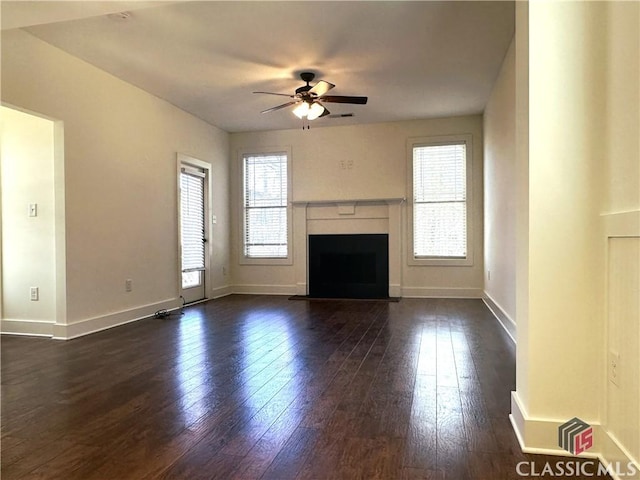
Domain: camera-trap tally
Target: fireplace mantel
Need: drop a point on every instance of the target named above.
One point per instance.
(355, 201)
(348, 216)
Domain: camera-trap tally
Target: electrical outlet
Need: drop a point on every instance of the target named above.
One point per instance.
(34, 294)
(614, 368)
(128, 285)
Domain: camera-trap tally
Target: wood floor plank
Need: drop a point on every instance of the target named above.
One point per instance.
(325, 456)
(293, 454)
(69, 464)
(451, 442)
(29, 455)
(262, 454)
(259, 387)
(420, 474)
(421, 445)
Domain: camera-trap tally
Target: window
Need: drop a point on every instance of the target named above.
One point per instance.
(266, 216)
(192, 214)
(440, 210)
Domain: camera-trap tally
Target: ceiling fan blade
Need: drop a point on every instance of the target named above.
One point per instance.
(325, 113)
(280, 94)
(345, 99)
(321, 88)
(284, 105)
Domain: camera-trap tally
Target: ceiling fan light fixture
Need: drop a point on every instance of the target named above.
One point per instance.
(315, 110)
(309, 100)
(301, 110)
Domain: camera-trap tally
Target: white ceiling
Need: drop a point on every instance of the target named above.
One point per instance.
(412, 59)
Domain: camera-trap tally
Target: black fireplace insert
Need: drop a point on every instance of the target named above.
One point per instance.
(349, 266)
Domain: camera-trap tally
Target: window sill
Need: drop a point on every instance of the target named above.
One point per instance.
(440, 262)
(266, 261)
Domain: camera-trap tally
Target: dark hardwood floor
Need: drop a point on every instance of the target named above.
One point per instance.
(249, 387)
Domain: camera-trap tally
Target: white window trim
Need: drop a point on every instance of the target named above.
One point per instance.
(183, 160)
(430, 141)
(244, 260)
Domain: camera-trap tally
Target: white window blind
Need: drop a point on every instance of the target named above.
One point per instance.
(192, 220)
(265, 206)
(440, 201)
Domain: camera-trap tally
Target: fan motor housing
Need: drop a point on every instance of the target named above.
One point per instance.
(314, 96)
(306, 77)
(303, 89)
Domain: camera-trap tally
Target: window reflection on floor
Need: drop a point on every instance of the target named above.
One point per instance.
(266, 369)
(272, 366)
(192, 367)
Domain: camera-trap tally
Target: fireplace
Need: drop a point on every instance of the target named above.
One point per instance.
(349, 266)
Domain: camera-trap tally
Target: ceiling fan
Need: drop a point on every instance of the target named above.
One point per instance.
(309, 99)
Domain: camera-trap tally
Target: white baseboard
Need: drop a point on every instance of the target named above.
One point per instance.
(503, 318)
(428, 292)
(97, 324)
(540, 436)
(60, 331)
(301, 289)
(264, 289)
(395, 290)
(221, 292)
(33, 328)
(614, 451)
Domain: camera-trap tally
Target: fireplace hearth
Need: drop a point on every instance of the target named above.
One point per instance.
(349, 266)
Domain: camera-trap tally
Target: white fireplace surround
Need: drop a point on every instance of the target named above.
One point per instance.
(382, 215)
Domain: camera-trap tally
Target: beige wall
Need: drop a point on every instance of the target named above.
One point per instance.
(378, 157)
(621, 214)
(565, 195)
(500, 193)
(579, 300)
(120, 148)
(560, 345)
(623, 98)
(28, 243)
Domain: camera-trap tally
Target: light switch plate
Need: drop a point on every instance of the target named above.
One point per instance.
(614, 368)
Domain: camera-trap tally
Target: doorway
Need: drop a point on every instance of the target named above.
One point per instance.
(193, 182)
(32, 219)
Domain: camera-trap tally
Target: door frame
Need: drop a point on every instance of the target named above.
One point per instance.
(189, 161)
(55, 328)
